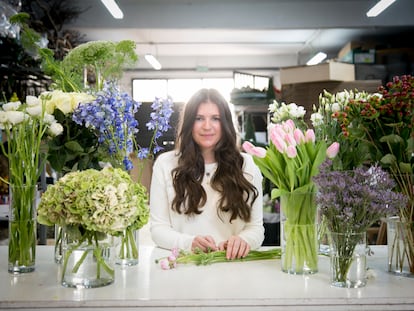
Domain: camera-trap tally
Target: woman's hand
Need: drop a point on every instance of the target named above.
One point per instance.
(205, 243)
(235, 247)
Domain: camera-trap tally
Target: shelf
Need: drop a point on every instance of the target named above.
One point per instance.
(250, 101)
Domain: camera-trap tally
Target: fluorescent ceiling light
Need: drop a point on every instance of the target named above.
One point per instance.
(113, 8)
(153, 61)
(379, 7)
(316, 59)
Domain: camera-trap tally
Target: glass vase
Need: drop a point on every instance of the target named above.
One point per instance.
(400, 240)
(126, 248)
(22, 229)
(299, 233)
(87, 258)
(348, 251)
(58, 244)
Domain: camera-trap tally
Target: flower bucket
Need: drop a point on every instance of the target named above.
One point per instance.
(88, 258)
(400, 240)
(126, 248)
(299, 233)
(22, 229)
(348, 251)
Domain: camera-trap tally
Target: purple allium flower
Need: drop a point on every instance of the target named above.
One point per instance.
(353, 200)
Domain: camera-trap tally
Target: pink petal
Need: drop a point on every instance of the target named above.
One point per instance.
(332, 150)
(291, 151)
(310, 136)
(290, 125)
(260, 152)
(290, 139)
(299, 137)
(279, 144)
(165, 264)
(253, 150)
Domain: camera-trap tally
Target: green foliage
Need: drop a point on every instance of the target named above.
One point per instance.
(104, 58)
(77, 153)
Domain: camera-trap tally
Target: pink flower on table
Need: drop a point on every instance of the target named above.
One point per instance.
(165, 264)
(253, 150)
(170, 262)
(175, 251)
(332, 150)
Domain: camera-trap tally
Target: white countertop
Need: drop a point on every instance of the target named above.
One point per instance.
(255, 285)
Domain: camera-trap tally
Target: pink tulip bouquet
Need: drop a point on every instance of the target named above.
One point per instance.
(292, 158)
(290, 162)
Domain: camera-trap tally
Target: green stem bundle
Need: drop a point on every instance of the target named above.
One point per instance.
(91, 240)
(201, 258)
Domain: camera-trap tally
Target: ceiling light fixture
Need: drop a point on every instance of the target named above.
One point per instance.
(316, 59)
(379, 7)
(113, 8)
(153, 61)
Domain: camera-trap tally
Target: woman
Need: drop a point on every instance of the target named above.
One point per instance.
(205, 194)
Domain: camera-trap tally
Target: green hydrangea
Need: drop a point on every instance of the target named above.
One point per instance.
(106, 201)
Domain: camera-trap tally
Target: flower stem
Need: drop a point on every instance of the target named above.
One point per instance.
(91, 237)
(128, 247)
(22, 233)
(201, 258)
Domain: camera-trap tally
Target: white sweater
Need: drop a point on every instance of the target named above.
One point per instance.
(172, 230)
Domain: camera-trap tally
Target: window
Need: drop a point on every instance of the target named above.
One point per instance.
(180, 90)
(146, 90)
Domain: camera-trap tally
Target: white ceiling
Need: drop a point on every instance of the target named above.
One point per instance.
(225, 35)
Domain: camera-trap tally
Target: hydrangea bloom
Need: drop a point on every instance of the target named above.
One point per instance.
(106, 201)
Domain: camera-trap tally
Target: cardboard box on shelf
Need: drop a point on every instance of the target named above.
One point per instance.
(331, 71)
(349, 47)
(348, 52)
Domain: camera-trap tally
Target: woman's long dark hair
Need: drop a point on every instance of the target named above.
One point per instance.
(237, 193)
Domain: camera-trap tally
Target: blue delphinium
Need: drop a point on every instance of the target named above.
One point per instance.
(352, 201)
(162, 110)
(112, 116)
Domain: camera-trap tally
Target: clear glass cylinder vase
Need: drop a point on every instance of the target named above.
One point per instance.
(400, 240)
(58, 244)
(348, 251)
(87, 258)
(126, 248)
(299, 233)
(22, 229)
